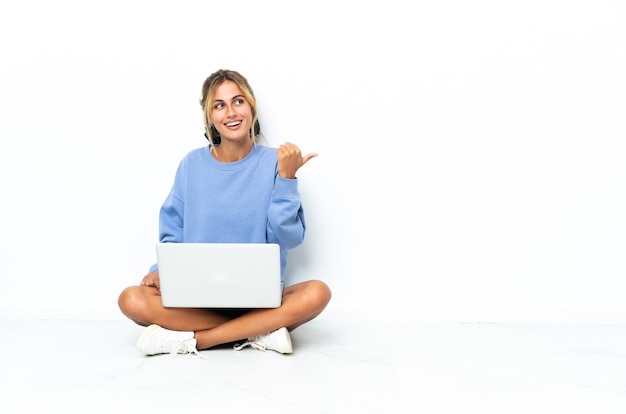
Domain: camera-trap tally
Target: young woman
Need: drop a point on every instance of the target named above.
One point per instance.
(233, 190)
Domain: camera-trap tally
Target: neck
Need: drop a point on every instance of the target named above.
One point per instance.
(231, 152)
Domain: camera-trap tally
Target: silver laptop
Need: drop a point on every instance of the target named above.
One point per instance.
(219, 275)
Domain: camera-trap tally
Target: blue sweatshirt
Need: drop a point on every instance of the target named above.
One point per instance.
(238, 202)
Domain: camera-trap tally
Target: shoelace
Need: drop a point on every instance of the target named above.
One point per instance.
(253, 342)
(186, 348)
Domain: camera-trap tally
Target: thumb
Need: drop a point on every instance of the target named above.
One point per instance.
(307, 157)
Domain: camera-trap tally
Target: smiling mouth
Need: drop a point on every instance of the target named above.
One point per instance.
(233, 124)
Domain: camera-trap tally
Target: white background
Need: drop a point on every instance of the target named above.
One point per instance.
(471, 154)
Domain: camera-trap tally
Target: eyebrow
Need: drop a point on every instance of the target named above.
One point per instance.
(234, 97)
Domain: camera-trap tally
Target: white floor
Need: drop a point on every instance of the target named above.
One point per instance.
(338, 366)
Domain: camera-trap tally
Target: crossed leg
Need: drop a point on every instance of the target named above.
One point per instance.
(301, 303)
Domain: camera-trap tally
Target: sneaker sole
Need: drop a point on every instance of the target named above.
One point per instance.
(144, 335)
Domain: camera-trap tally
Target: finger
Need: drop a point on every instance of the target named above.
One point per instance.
(307, 157)
(285, 150)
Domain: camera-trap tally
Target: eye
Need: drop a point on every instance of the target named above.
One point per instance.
(218, 105)
(239, 101)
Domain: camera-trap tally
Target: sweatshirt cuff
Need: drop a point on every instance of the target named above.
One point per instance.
(286, 187)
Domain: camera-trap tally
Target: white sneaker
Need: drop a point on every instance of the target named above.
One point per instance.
(279, 341)
(157, 340)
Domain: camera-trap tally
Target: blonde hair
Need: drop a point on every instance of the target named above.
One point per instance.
(208, 95)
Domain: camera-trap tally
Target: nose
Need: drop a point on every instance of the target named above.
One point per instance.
(230, 111)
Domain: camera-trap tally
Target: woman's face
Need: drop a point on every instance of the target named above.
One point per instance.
(231, 113)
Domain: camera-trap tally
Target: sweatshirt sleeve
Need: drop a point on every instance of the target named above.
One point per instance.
(171, 220)
(171, 215)
(286, 225)
(172, 212)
